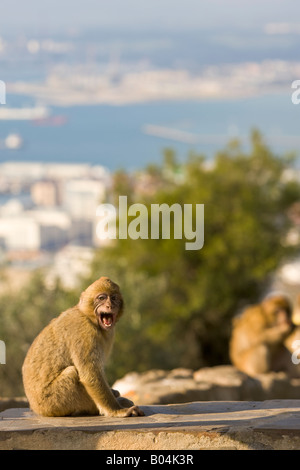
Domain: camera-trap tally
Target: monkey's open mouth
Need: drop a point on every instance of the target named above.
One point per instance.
(105, 320)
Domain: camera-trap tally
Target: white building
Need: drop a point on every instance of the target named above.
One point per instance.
(19, 233)
(70, 264)
(82, 197)
(35, 171)
(35, 230)
(54, 227)
(13, 171)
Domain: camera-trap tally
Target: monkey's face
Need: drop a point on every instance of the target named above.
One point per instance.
(107, 308)
(278, 311)
(102, 302)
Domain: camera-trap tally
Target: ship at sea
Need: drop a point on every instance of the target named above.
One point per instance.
(58, 120)
(24, 114)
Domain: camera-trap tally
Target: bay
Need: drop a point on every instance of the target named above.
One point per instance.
(133, 136)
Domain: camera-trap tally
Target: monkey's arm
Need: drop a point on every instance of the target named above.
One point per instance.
(92, 377)
(102, 395)
(275, 334)
(97, 387)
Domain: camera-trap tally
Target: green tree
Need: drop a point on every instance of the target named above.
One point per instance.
(180, 303)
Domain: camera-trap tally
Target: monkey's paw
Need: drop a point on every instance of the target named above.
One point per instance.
(124, 402)
(134, 411)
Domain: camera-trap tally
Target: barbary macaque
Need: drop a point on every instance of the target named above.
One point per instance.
(292, 342)
(296, 311)
(262, 337)
(63, 372)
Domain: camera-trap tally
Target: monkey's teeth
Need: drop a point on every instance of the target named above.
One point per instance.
(107, 319)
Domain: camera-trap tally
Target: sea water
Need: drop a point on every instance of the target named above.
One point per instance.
(119, 137)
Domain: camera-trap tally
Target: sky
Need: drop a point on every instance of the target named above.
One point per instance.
(34, 16)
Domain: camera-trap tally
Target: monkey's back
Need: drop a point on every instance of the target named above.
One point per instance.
(245, 333)
(51, 351)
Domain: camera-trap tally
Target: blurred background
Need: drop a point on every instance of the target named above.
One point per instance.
(162, 101)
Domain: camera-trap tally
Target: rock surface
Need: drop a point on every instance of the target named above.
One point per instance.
(268, 425)
(17, 402)
(224, 383)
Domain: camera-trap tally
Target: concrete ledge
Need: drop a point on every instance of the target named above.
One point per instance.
(269, 425)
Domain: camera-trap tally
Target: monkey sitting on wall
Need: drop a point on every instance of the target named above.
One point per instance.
(261, 338)
(63, 372)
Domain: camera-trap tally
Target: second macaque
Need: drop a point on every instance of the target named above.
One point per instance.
(262, 338)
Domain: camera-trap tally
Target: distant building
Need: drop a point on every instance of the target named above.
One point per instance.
(54, 227)
(35, 230)
(14, 171)
(20, 233)
(11, 207)
(67, 171)
(37, 171)
(70, 264)
(45, 206)
(44, 193)
(82, 196)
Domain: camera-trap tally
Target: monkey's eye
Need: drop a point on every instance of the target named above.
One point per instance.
(102, 297)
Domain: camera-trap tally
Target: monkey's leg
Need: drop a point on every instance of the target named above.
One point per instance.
(257, 360)
(66, 396)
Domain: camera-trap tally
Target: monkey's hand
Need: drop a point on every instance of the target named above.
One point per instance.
(132, 411)
(285, 329)
(276, 334)
(116, 393)
(125, 412)
(121, 412)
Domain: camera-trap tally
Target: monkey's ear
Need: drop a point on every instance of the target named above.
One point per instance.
(122, 306)
(81, 298)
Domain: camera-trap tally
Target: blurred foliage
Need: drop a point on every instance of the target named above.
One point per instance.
(25, 312)
(179, 303)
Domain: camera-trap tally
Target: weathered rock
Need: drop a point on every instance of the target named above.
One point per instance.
(208, 384)
(16, 402)
(270, 425)
(162, 387)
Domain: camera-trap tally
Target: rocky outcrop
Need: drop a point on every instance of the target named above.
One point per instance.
(219, 383)
(16, 402)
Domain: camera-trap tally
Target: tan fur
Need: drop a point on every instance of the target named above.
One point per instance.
(63, 372)
(296, 311)
(258, 338)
